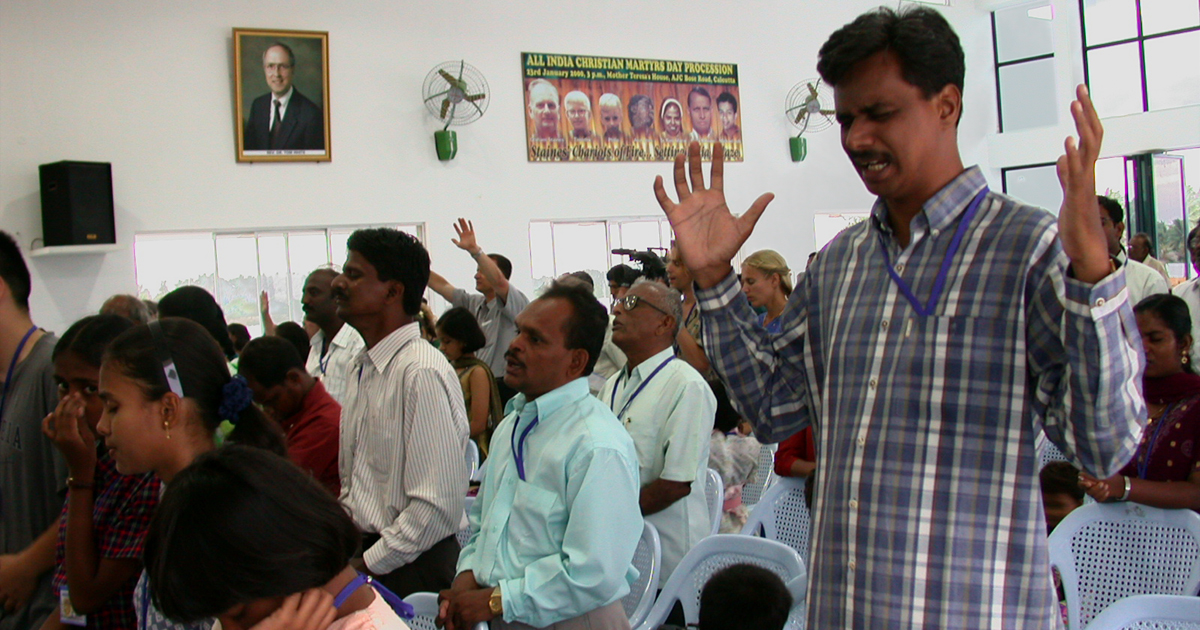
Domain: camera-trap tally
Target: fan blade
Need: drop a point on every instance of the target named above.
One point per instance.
(447, 76)
(812, 90)
(801, 116)
(828, 112)
(445, 106)
(433, 96)
(474, 97)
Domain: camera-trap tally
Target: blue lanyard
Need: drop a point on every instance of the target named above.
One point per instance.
(1144, 465)
(518, 448)
(940, 283)
(401, 608)
(612, 403)
(12, 367)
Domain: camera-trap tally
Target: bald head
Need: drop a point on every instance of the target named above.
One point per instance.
(127, 306)
(647, 320)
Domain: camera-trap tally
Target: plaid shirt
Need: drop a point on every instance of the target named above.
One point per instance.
(120, 519)
(928, 511)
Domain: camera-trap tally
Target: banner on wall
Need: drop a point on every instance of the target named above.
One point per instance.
(581, 108)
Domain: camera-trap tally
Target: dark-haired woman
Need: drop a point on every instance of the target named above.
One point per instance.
(200, 306)
(459, 337)
(166, 389)
(107, 514)
(1165, 471)
(274, 552)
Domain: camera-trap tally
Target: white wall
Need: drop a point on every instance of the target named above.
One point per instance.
(148, 86)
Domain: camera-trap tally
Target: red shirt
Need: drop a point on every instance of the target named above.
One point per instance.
(312, 436)
(799, 446)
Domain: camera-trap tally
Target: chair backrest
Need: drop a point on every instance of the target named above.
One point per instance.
(1150, 612)
(717, 552)
(1108, 551)
(1047, 451)
(782, 515)
(764, 476)
(648, 561)
(464, 534)
(472, 456)
(714, 491)
(425, 605)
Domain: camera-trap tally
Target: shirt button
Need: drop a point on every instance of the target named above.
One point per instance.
(852, 564)
(1099, 302)
(853, 504)
(884, 324)
(873, 383)
(935, 232)
(899, 267)
(861, 440)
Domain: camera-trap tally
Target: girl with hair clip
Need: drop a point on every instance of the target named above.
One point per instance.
(166, 389)
(247, 537)
(106, 514)
(767, 283)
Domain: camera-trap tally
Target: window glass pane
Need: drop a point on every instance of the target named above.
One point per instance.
(306, 251)
(640, 235)
(1169, 201)
(1160, 16)
(273, 277)
(1024, 31)
(337, 245)
(580, 246)
(1115, 80)
(237, 285)
(1027, 97)
(541, 252)
(165, 262)
(827, 225)
(1109, 20)
(1110, 180)
(1173, 70)
(1036, 185)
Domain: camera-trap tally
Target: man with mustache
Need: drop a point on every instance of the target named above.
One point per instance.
(404, 431)
(556, 522)
(927, 346)
(610, 118)
(334, 347)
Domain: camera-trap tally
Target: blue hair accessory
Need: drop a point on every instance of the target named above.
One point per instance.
(235, 397)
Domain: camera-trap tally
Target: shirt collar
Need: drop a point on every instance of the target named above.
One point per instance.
(384, 351)
(944, 206)
(553, 400)
(286, 98)
(343, 336)
(644, 368)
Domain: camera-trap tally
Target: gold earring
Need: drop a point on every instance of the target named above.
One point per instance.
(167, 428)
(1185, 358)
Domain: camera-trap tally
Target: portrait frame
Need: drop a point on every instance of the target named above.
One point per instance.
(303, 134)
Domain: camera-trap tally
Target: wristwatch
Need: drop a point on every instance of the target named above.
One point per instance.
(496, 603)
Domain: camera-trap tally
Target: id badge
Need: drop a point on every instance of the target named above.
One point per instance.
(66, 612)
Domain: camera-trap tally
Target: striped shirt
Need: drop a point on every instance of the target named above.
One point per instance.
(336, 368)
(928, 511)
(402, 446)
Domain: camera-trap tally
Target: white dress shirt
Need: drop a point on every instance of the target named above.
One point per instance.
(401, 453)
(1142, 281)
(670, 420)
(333, 370)
(1190, 292)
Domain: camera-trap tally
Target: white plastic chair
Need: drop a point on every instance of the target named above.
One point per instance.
(714, 491)
(464, 534)
(648, 561)
(1108, 551)
(782, 515)
(1047, 451)
(1150, 612)
(472, 456)
(764, 476)
(717, 552)
(425, 605)
(477, 477)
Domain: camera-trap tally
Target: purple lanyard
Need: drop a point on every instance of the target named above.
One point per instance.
(518, 447)
(401, 607)
(12, 367)
(612, 403)
(1144, 465)
(940, 283)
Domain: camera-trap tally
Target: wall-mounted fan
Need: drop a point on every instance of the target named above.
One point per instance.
(457, 94)
(809, 108)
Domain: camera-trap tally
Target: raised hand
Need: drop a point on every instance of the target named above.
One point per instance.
(707, 233)
(68, 429)
(1079, 227)
(264, 303)
(466, 236)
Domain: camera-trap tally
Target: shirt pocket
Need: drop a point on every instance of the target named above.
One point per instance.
(535, 522)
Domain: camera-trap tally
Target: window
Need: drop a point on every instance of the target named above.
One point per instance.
(237, 267)
(827, 225)
(1023, 44)
(558, 247)
(1037, 184)
(1139, 55)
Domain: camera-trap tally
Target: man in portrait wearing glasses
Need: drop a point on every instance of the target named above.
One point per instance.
(284, 119)
(668, 409)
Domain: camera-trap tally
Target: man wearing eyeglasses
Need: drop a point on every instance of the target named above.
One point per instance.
(668, 409)
(284, 119)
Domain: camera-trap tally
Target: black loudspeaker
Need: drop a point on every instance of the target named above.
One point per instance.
(77, 203)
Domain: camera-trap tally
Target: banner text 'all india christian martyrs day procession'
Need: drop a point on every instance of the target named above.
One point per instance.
(582, 108)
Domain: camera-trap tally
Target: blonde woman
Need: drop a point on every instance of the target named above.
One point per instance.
(767, 283)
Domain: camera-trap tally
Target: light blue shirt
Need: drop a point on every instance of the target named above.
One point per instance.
(560, 543)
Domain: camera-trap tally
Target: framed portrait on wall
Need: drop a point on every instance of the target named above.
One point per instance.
(282, 84)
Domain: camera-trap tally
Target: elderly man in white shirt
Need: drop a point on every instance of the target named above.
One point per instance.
(1141, 280)
(404, 434)
(1141, 250)
(335, 346)
(668, 409)
(1190, 291)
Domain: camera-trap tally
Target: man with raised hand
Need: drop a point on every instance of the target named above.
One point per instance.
(927, 346)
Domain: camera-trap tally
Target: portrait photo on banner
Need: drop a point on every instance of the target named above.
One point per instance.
(583, 108)
(281, 80)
